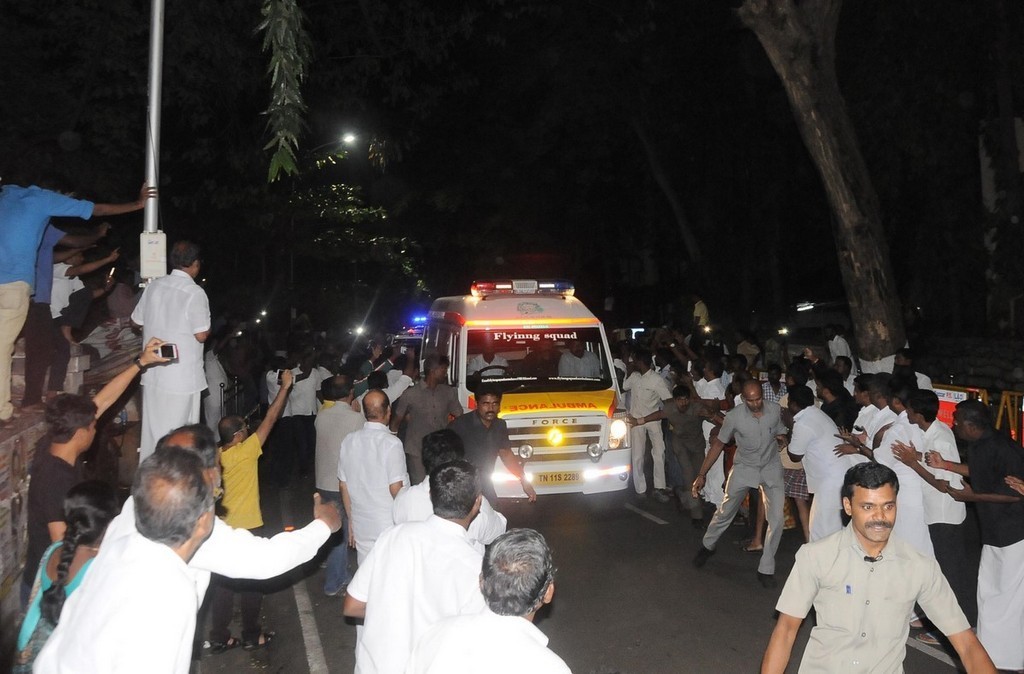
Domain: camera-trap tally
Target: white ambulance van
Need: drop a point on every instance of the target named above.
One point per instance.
(549, 354)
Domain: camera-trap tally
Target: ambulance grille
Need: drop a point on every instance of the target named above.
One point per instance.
(575, 438)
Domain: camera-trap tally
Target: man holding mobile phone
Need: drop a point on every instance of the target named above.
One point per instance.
(177, 309)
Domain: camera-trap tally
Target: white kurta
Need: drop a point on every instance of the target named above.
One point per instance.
(814, 438)
(234, 553)
(370, 460)
(484, 642)
(714, 486)
(416, 574)
(174, 309)
(412, 504)
(134, 612)
(910, 525)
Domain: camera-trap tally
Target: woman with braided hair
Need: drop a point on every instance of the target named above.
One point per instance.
(88, 509)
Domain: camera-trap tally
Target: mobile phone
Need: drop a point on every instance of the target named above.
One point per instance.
(279, 380)
(169, 351)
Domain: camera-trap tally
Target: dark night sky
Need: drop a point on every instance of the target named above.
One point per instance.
(514, 133)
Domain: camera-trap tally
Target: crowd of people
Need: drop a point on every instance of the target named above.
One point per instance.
(865, 449)
(403, 477)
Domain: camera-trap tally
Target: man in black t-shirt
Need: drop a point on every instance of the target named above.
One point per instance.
(485, 437)
(71, 427)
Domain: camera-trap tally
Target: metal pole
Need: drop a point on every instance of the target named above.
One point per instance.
(156, 62)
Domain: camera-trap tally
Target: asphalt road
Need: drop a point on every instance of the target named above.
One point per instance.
(627, 599)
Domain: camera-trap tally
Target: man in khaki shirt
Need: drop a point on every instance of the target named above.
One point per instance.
(863, 585)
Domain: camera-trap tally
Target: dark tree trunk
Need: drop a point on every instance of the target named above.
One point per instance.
(675, 200)
(799, 38)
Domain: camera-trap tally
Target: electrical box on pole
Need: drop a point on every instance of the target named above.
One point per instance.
(152, 254)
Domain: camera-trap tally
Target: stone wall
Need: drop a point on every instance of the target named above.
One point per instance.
(983, 363)
(17, 449)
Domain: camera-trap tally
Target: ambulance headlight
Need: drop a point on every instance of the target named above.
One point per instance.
(617, 433)
(525, 451)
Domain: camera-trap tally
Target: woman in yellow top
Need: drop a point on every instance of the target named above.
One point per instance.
(239, 457)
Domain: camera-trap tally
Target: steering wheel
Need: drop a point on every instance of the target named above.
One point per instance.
(504, 368)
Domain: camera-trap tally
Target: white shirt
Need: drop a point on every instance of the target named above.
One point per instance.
(838, 346)
(814, 438)
(416, 574)
(174, 309)
(231, 552)
(478, 362)
(484, 642)
(369, 461)
(215, 374)
(273, 387)
(394, 390)
(709, 390)
(63, 286)
(647, 391)
(864, 417)
(333, 424)
(412, 504)
(940, 508)
(302, 397)
(587, 365)
(134, 612)
(879, 420)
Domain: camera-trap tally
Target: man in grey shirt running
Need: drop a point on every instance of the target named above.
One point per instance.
(756, 426)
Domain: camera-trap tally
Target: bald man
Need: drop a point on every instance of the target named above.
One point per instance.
(757, 427)
(371, 471)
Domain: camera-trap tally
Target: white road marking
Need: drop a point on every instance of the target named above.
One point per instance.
(930, 650)
(644, 513)
(315, 657)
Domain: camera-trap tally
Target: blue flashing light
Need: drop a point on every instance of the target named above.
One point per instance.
(419, 319)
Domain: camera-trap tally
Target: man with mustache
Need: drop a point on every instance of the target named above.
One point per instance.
(863, 583)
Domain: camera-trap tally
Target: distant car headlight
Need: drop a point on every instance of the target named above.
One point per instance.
(617, 433)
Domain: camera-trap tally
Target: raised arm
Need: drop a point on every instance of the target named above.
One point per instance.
(147, 192)
(276, 407)
(109, 394)
(88, 267)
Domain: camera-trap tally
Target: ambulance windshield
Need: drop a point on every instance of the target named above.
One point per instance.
(547, 359)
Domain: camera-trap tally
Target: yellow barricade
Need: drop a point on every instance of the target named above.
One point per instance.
(1009, 414)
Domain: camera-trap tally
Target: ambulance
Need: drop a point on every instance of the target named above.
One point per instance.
(549, 355)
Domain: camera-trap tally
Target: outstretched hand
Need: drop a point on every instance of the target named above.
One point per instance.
(327, 513)
(906, 453)
(145, 193)
(1015, 483)
(151, 353)
(531, 493)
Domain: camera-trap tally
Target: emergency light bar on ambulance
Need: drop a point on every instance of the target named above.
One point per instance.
(522, 287)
